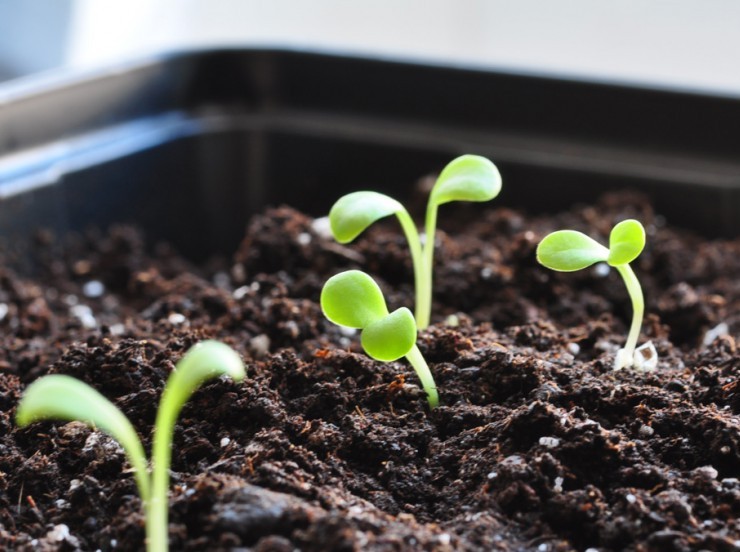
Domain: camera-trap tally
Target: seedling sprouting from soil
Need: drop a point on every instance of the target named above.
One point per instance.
(66, 398)
(467, 178)
(569, 250)
(354, 300)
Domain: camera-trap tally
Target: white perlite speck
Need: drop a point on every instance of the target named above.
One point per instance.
(574, 348)
(225, 442)
(549, 442)
(444, 539)
(176, 318)
(260, 345)
(602, 270)
(322, 227)
(558, 487)
(719, 330)
(84, 314)
(240, 292)
(707, 472)
(646, 431)
(453, 321)
(93, 288)
(304, 238)
(3, 311)
(58, 533)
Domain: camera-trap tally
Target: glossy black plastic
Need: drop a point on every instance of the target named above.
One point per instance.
(190, 145)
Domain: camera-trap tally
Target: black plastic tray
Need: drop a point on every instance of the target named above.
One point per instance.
(189, 145)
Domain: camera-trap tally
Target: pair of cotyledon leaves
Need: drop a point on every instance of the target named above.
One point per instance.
(570, 250)
(466, 178)
(354, 300)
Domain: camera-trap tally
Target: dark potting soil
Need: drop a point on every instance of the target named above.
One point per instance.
(538, 445)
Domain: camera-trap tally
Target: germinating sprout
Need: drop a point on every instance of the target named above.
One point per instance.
(59, 397)
(354, 300)
(569, 250)
(467, 178)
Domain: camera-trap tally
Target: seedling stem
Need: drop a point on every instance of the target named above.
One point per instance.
(421, 368)
(422, 276)
(638, 307)
(424, 307)
(466, 178)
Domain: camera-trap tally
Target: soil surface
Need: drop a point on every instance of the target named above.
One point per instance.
(537, 445)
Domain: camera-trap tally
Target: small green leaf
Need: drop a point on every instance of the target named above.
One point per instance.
(390, 337)
(626, 242)
(467, 178)
(352, 213)
(569, 250)
(59, 397)
(352, 299)
(203, 361)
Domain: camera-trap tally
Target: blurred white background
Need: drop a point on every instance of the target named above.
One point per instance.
(687, 44)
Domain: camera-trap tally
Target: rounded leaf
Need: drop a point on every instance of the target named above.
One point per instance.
(390, 337)
(203, 361)
(467, 178)
(569, 250)
(352, 213)
(626, 242)
(352, 299)
(60, 397)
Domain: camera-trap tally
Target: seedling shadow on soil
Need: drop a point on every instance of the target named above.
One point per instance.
(537, 445)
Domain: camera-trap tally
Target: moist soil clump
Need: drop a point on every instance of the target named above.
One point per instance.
(537, 445)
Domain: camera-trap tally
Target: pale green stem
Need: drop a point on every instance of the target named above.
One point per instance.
(429, 230)
(141, 476)
(425, 375)
(423, 294)
(638, 307)
(157, 531)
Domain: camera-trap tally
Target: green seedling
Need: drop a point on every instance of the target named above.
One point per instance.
(66, 398)
(354, 300)
(467, 178)
(569, 250)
